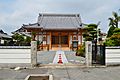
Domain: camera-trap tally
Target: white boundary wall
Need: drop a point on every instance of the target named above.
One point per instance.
(112, 55)
(15, 54)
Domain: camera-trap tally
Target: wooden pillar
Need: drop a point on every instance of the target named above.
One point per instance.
(72, 36)
(69, 40)
(50, 41)
(59, 35)
(42, 40)
(80, 37)
(46, 41)
(77, 35)
(46, 38)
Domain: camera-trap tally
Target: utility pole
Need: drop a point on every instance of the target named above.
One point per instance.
(96, 41)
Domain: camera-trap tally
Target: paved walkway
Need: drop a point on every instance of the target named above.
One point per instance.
(72, 58)
(57, 56)
(52, 57)
(45, 57)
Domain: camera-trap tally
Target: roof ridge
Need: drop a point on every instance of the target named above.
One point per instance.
(58, 14)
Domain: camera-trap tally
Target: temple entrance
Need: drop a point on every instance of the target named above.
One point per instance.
(60, 39)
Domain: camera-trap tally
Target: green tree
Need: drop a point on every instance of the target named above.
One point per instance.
(15, 36)
(110, 42)
(21, 40)
(116, 31)
(114, 40)
(33, 36)
(114, 20)
(28, 39)
(90, 32)
(110, 31)
(113, 23)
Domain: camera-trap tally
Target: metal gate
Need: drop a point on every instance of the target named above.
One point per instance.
(98, 54)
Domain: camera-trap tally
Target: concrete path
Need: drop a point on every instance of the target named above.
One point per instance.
(45, 57)
(51, 57)
(73, 59)
(63, 57)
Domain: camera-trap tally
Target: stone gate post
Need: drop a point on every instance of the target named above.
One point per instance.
(34, 53)
(88, 53)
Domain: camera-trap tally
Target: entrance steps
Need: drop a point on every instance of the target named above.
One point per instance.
(62, 48)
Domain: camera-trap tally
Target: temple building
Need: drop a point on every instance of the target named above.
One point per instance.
(4, 38)
(54, 30)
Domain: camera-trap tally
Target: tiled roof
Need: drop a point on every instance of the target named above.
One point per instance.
(21, 31)
(1, 31)
(4, 36)
(34, 25)
(57, 21)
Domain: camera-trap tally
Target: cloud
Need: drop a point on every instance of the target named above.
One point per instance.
(14, 13)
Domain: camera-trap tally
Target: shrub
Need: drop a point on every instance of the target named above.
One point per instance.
(81, 51)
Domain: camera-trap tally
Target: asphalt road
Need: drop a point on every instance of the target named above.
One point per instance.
(108, 73)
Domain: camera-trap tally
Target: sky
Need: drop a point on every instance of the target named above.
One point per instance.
(15, 13)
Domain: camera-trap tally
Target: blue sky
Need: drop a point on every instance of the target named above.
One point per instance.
(14, 13)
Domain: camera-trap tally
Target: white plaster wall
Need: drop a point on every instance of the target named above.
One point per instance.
(15, 55)
(112, 56)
